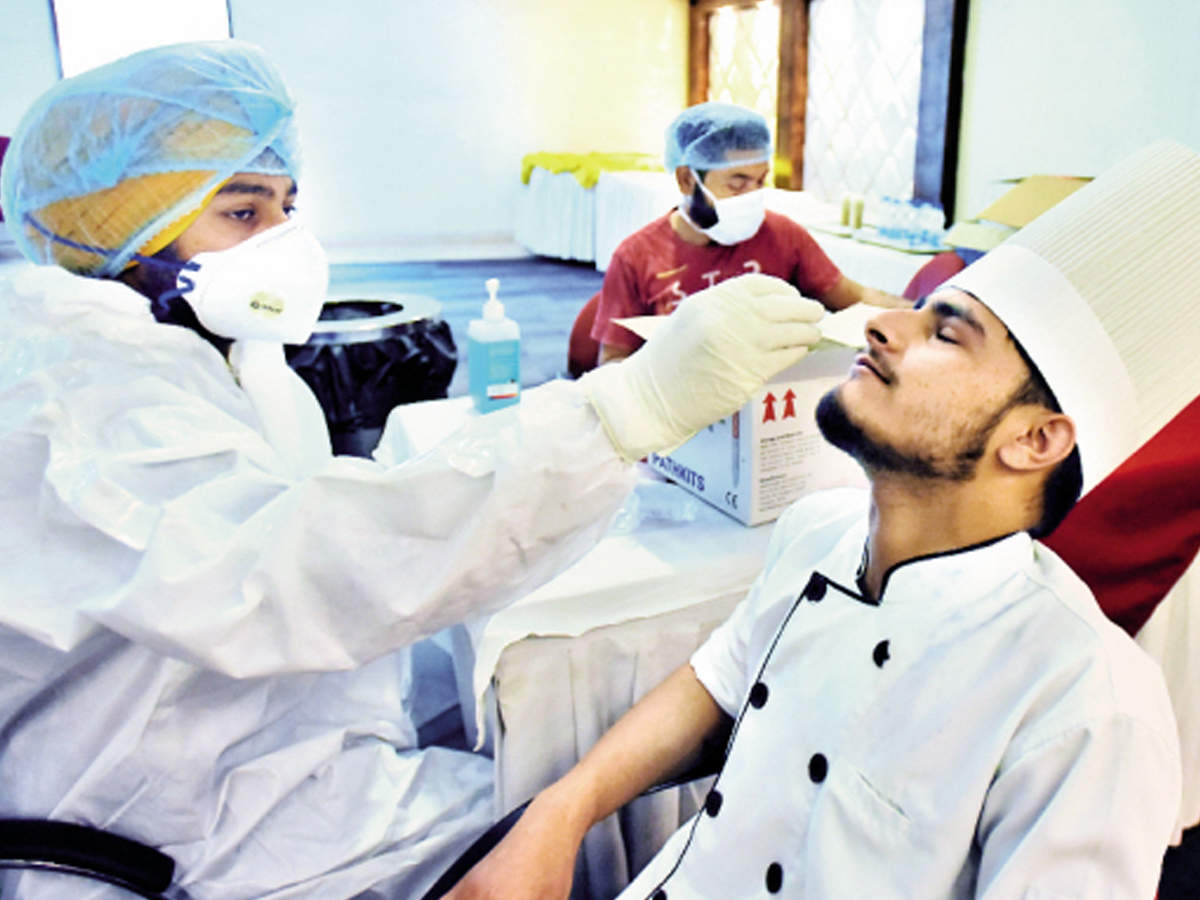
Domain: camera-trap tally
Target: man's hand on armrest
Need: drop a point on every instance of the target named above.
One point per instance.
(661, 736)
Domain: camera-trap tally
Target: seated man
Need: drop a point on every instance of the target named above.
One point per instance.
(204, 615)
(927, 702)
(720, 155)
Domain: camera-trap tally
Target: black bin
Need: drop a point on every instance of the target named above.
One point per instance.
(367, 356)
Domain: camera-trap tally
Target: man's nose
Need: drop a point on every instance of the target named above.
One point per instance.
(890, 328)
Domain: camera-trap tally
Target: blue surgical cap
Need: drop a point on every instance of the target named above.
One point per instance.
(104, 162)
(704, 136)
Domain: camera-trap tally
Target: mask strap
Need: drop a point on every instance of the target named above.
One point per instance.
(177, 267)
(184, 284)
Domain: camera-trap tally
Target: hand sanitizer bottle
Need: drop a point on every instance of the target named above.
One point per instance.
(494, 355)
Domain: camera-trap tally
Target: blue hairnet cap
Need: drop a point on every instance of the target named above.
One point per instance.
(717, 136)
(105, 163)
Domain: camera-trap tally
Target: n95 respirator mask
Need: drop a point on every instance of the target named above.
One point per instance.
(270, 287)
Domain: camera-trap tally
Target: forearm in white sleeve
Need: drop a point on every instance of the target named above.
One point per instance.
(249, 574)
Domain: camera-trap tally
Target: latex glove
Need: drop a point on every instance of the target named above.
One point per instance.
(714, 351)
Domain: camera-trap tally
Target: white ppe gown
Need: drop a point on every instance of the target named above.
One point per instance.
(202, 647)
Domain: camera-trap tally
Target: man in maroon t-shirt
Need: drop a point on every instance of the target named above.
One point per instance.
(720, 155)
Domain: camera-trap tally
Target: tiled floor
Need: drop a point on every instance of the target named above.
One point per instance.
(542, 295)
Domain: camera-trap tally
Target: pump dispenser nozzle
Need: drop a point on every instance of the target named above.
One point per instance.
(492, 307)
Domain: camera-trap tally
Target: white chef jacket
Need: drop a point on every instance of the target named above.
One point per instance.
(199, 648)
(1172, 638)
(982, 731)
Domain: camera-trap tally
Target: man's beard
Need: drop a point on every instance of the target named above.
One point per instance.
(876, 457)
(700, 211)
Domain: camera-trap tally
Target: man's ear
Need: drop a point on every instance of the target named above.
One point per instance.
(683, 178)
(1043, 440)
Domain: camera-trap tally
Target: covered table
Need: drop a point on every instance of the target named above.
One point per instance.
(556, 206)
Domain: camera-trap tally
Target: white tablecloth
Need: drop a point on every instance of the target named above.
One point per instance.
(554, 697)
(667, 550)
(1172, 637)
(556, 217)
(625, 201)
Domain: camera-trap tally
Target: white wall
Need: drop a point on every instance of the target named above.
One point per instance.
(1072, 86)
(415, 117)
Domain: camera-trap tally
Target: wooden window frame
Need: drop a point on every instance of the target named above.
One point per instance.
(939, 111)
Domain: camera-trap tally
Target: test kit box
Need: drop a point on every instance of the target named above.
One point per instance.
(753, 464)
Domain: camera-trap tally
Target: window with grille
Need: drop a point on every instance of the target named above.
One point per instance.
(865, 94)
(743, 56)
(864, 88)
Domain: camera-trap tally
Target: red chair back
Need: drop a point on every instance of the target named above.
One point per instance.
(939, 268)
(1132, 536)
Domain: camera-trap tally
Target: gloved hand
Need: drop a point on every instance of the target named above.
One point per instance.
(703, 363)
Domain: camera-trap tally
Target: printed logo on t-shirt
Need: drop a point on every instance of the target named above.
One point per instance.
(667, 274)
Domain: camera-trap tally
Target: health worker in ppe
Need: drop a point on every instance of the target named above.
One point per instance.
(720, 156)
(205, 613)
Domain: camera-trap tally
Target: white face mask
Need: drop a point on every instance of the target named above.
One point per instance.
(738, 217)
(270, 287)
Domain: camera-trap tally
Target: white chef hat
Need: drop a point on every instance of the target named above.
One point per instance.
(1101, 291)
